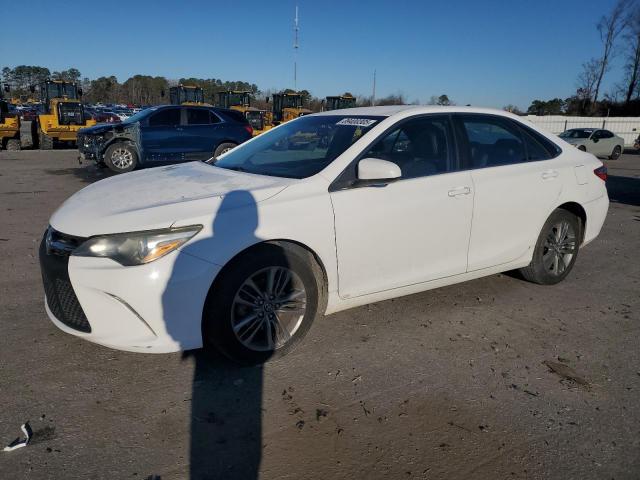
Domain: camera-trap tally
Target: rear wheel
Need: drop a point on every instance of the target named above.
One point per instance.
(556, 249)
(121, 157)
(617, 151)
(45, 142)
(223, 148)
(13, 144)
(264, 303)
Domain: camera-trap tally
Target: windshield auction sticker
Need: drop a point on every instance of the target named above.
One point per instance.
(357, 122)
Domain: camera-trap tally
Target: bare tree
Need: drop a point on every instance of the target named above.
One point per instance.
(632, 40)
(587, 81)
(610, 27)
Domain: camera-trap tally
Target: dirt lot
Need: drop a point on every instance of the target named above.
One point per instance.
(446, 384)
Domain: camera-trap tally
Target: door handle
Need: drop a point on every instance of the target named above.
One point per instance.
(459, 191)
(548, 174)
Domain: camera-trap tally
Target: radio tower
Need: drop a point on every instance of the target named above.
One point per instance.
(295, 51)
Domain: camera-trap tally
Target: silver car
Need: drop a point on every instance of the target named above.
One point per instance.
(600, 142)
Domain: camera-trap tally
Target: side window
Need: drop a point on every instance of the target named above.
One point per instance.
(168, 117)
(493, 141)
(535, 147)
(606, 134)
(198, 116)
(420, 147)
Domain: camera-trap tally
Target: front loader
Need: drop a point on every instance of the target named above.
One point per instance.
(240, 100)
(62, 114)
(9, 124)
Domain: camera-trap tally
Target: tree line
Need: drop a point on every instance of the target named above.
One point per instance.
(619, 32)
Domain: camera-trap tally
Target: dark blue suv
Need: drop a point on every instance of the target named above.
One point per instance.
(163, 135)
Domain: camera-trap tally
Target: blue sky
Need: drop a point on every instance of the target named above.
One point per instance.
(483, 52)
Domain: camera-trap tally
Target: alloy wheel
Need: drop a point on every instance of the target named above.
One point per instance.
(122, 158)
(268, 308)
(559, 248)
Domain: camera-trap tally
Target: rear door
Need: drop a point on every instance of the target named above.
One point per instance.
(517, 176)
(412, 230)
(162, 137)
(201, 129)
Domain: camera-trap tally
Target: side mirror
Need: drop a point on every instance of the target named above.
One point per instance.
(375, 169)
(162, 93)
(7, 88)
(266, 99)
(79, 92)
(595, 139)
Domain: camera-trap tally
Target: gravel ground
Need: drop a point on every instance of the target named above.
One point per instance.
(451, 383)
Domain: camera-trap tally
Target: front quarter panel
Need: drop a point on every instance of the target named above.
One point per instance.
(300, 213)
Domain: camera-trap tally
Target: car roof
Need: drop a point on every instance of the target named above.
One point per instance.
(391, 110)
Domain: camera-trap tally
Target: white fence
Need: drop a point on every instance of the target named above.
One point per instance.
(626, 127)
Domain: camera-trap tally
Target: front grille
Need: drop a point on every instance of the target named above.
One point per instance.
(55, 249)
(70, 113)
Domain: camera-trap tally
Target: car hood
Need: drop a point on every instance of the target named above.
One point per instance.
(96, 129)
(157, 198)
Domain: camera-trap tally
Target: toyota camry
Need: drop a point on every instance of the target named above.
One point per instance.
(323, 213)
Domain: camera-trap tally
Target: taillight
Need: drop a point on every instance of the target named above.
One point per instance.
(601, 173)
(249, 129)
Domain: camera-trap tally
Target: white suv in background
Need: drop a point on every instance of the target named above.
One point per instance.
(324, 213)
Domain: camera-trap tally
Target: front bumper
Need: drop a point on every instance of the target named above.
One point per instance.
(154, 308)
(90, 147)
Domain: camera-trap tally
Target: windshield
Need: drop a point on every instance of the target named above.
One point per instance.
(300, 148)
(576, 133)
(140, 115)
(238, 99)
(59, 90)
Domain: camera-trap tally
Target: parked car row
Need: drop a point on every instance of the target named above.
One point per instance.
(598, 141)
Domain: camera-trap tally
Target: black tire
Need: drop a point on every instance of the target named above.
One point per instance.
(223, 148)
(13, 145)
(540, 270)
(45, 142)
(617, 151)
(121, 157)
(217, 328)
(583, 148)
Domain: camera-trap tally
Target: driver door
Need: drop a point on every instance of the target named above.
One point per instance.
(412, 230)
(162, 137)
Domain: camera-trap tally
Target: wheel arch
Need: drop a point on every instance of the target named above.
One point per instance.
(284, 242)
(578, 210)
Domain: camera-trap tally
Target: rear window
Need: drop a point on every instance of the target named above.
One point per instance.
(235, 116)
(200, 116)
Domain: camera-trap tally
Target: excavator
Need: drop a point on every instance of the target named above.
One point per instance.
(338, 102)
(287, 106)
(187, 95)
(9, 124)
(62, 115)
(240, 100)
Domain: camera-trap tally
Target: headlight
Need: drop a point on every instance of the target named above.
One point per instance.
(136, 248)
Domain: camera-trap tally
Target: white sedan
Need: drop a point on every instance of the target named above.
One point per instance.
(324, 213)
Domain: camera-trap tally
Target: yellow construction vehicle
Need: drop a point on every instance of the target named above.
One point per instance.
(62, 116)
(9, 124)
(187, 95)
(338, 102)
(240, 100)
(287, 106)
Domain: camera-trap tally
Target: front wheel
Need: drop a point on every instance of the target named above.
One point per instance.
(121, 157)
(13, 145)
(45, 142)
(617, 151)
(264, 303)
(556, 249)
(583, 148)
